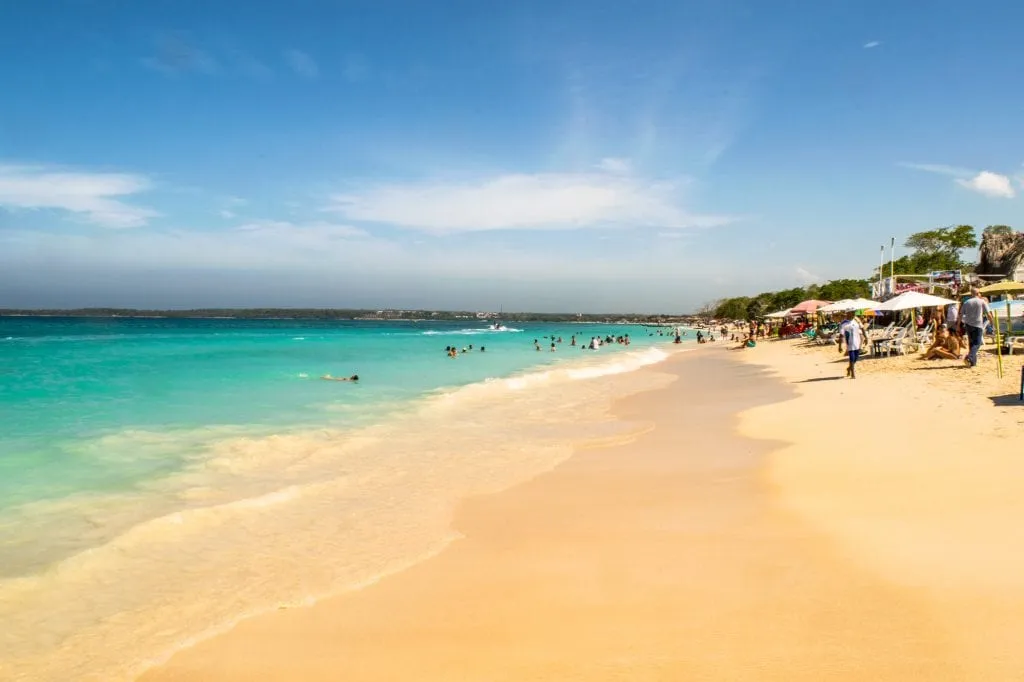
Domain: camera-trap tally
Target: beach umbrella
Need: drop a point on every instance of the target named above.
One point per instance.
(808, 306)
(836, 307)
(1003, 288)
(778, 313)
(850, 304)
(913, 299)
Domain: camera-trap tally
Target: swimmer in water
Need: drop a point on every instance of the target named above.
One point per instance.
(328, 377)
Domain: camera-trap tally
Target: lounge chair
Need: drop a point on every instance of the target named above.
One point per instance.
(897, 343)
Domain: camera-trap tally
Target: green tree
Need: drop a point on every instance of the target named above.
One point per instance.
(839, 289)
(733, 308)
(787, 298)
(939, 249)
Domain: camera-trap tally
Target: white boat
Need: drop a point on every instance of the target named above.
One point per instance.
(498, 327)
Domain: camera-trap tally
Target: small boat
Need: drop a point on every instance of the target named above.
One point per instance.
(498, 327)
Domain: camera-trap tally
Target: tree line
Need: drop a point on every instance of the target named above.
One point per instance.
(939, 249)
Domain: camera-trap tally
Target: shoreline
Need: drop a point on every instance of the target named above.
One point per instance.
(431, 492)
(721, 558)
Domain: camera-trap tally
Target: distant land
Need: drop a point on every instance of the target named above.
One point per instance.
(346, 314)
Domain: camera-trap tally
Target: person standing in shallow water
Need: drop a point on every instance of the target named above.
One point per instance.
(851, 333)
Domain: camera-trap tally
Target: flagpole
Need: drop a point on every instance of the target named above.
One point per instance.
(892, 262)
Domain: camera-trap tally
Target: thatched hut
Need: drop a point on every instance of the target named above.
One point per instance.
(1002, 254)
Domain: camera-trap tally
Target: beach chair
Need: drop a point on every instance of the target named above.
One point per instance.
(896, 343)
(879, 337)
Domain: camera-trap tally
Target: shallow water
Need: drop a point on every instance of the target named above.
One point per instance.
(160, 479)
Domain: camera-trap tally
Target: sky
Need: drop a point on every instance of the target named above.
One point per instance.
(572, 156)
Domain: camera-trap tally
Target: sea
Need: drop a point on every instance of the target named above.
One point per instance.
(163, 478)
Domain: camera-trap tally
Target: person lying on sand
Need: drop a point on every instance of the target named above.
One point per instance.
(328, 377)
(945, 347)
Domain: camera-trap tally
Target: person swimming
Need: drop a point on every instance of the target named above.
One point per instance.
(328, 377)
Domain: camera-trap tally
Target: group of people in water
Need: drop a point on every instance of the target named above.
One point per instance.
(595, 342)
(453, 352)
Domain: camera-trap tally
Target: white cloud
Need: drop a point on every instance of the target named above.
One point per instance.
(226, 214)
(549, 201)
(983, 182)
(615, 165)
(94, 196)
(302, 64)
(990, 184)
(873, 43)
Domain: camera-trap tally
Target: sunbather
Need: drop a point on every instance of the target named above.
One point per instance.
(945, 347)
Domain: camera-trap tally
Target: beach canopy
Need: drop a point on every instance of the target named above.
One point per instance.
(1015, 307)
(807, 306)
(778, 313)
(850, 304)
(1003, 288)
(913, 299)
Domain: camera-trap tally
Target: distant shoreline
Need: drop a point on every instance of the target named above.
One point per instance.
(344, 314)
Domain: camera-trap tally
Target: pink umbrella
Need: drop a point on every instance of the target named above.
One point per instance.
(808, 306)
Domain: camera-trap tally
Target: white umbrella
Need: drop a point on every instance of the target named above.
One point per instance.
(850, 304)
(913, 299)
(836, 307)
(779, 313)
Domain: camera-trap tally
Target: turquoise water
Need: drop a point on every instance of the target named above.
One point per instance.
(66, 382)
(161, 479)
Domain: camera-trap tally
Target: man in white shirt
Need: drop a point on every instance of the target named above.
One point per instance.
(952, 318)
(851, 334)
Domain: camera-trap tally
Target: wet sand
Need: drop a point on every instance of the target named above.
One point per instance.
(685, 554)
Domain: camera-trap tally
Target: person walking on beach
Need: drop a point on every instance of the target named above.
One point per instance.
(953, 319)
(851, 332)
(974, 313)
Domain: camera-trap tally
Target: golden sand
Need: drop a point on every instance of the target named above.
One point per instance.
(865, 530)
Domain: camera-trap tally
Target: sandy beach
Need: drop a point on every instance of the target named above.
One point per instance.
(770, 524)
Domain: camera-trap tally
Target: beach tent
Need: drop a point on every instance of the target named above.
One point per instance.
(808, 306)
(1003, 288)
(778, 314)
(1015, 308)
(850, 304)
(913, 299)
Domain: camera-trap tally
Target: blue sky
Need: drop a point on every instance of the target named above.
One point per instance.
(570, 156)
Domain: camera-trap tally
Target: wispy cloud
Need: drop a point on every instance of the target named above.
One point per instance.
(938, 168)
(984, 182)
(174, 55)
(546, 201)
(872, 43)
(97, 197)
(990, 184)
(302, 64)
(302, 233)
(226, 214)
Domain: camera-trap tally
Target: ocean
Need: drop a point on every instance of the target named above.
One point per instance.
(162, 478)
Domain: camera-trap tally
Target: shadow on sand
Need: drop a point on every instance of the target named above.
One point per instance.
(809, 381)
(1009, 400)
